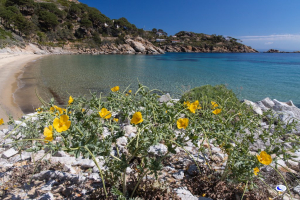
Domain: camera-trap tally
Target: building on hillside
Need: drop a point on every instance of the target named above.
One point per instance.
(105, 24)
(175, 41)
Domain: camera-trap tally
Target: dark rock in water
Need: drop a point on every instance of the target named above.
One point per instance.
(273, 51)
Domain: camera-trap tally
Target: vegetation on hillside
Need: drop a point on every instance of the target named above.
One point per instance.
(58, 22)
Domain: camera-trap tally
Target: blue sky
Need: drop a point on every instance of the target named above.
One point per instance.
(262, 24)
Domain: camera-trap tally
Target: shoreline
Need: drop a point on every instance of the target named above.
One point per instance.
(11, 66)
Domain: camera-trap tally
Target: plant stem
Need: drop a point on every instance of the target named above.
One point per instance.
(283, 180)
(100, 171)
(244, 190)
(135, 187)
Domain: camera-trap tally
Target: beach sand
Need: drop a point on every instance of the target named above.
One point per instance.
(11, 66)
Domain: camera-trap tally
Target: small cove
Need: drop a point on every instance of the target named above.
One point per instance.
(252, 76)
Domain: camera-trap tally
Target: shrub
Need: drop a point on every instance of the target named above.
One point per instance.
(93, 127)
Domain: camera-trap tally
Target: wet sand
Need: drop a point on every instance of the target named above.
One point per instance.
(11, 66)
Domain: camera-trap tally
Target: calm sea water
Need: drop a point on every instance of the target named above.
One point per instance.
(250, 76)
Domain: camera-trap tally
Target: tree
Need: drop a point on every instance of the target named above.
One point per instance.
(47, 20)
(154, 30)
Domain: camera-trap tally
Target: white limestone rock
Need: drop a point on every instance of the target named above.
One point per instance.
(63, 160)
(159, 149)
(254, 106)
(165, 98)
(9, 153)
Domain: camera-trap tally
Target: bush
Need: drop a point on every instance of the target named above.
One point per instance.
(93, 127)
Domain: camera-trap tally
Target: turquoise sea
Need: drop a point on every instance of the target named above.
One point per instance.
(252, 76)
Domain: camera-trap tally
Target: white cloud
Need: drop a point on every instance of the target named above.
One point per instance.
(268, 43)
(271, 37)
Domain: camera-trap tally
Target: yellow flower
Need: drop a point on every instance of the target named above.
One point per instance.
(129, 91)
(60, 110)
(115, 89)
(82, 110)
(62, 124)
(1, 121)
(182, 123)
(193, 106)
(70, 100)
(126, 94)
(104, 113)
(48, 133)
(264, 158)
(255, 171)
(187, 103)
(116, 119)
(214, 104)
(166, 111)
(137, 118)
(70, 112)
(217, 111)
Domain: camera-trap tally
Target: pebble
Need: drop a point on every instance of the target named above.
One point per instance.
(297, 189)
(85, 163)
(179, 175)
(47, 196)
(65, 160)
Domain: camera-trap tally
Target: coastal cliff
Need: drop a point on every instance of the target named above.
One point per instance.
(132, 46)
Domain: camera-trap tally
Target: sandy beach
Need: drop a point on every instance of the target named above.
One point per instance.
(11, 66)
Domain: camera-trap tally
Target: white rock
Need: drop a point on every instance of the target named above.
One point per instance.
(129, 129)
(106, 132)
(69, 168)
(48, 185)
(253, 105)
(122, 141)
(62, 176)
(63, 160)
(159, 149)
(131, 135)
(268, 102)
(128, 170)
(185, 194)
(297, 189)
(179, 175)
(86, 163)
(9, 153)
(20, 123)
(165, 98)
(94, 176)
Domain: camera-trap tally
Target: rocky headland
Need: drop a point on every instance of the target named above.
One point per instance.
(213, 49)
(61, 175)
(136, 45)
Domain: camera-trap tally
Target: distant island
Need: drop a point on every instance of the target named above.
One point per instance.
(277, 51)
(77, 28)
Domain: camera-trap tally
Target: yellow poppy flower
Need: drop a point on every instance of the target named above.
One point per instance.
(187, 103)
(182, 123)
(255, 171)
(104, 113)
(217, 111)
(48, 133)
(126, 94)
(166, 111)
(137, 118)
(193, 106)
(82, 110)
(115, 89)
(264, 158)
(1, 121)
(70, 100)
(60, 110)
(116, 119)
(214, 104)
(62, 124)
(129, 91)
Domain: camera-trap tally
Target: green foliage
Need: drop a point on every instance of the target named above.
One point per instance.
(47, 20)
(5, 34)
(233, 129)
(210, 93)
